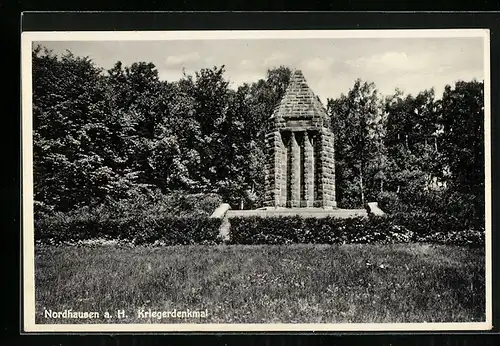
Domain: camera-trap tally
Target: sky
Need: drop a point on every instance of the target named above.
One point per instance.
(330, 65)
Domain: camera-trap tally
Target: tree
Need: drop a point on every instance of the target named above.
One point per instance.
(358, 125)
(462, 117)
(261, 99)
(412, 142)
(462, 140)
(140, 102)
(74, 133)
(206, 96)
(105, 137)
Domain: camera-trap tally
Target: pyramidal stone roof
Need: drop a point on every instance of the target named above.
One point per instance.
(299, 101)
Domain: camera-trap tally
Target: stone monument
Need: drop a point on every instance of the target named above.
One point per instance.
(300, 166)
(300, 161)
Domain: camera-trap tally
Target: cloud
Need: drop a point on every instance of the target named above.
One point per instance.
(391, 61)
(444, 68)
(238, 78)
(170, 74)
(247, 64)
(274, 58)
(177, 60)
(318, 64)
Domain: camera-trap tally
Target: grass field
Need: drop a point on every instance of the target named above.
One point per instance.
(264, 284)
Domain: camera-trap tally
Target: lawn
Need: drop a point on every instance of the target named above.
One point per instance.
(264, 284)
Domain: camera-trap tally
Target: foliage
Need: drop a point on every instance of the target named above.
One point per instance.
(411, 153)
(253, 107)
(101, 137)
(412, 142)
(172, 204)
(74, 137)
(400, 227)
(143, 217)
(164, 230)
(123, 140)
(358, 126)
(462, 118)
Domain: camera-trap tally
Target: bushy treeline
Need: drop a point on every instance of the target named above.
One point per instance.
(123, 139)
(104, 136)
(411, 153)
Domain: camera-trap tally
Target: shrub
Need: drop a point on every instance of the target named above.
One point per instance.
(140, 205)
(174, 204)
(389, 202)
(465, 206)
(176, 218)
(164, 230)
(202, 203)
(401, 227)
(173, 230)
(441, 228)
(295, 229)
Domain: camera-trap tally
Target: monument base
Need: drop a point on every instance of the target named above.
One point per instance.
(304, 212)
(225, 213)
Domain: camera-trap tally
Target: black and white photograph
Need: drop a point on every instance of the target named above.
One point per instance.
(332, 180)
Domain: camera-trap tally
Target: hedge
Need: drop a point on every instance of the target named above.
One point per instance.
(403, 227)
(182, 230)
(165, 230)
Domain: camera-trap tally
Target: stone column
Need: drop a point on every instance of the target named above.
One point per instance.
(269, 170)
(318, 170)
(274, 169)
(278, 168)
(284, 174)
(327, 169)
(308, 171)
(294, 172)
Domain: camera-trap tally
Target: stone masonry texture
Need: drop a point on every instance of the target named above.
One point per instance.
(308, 171)
(300, 162)
(295, 172)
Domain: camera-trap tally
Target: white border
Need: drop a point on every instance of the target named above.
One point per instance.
(27, 176)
